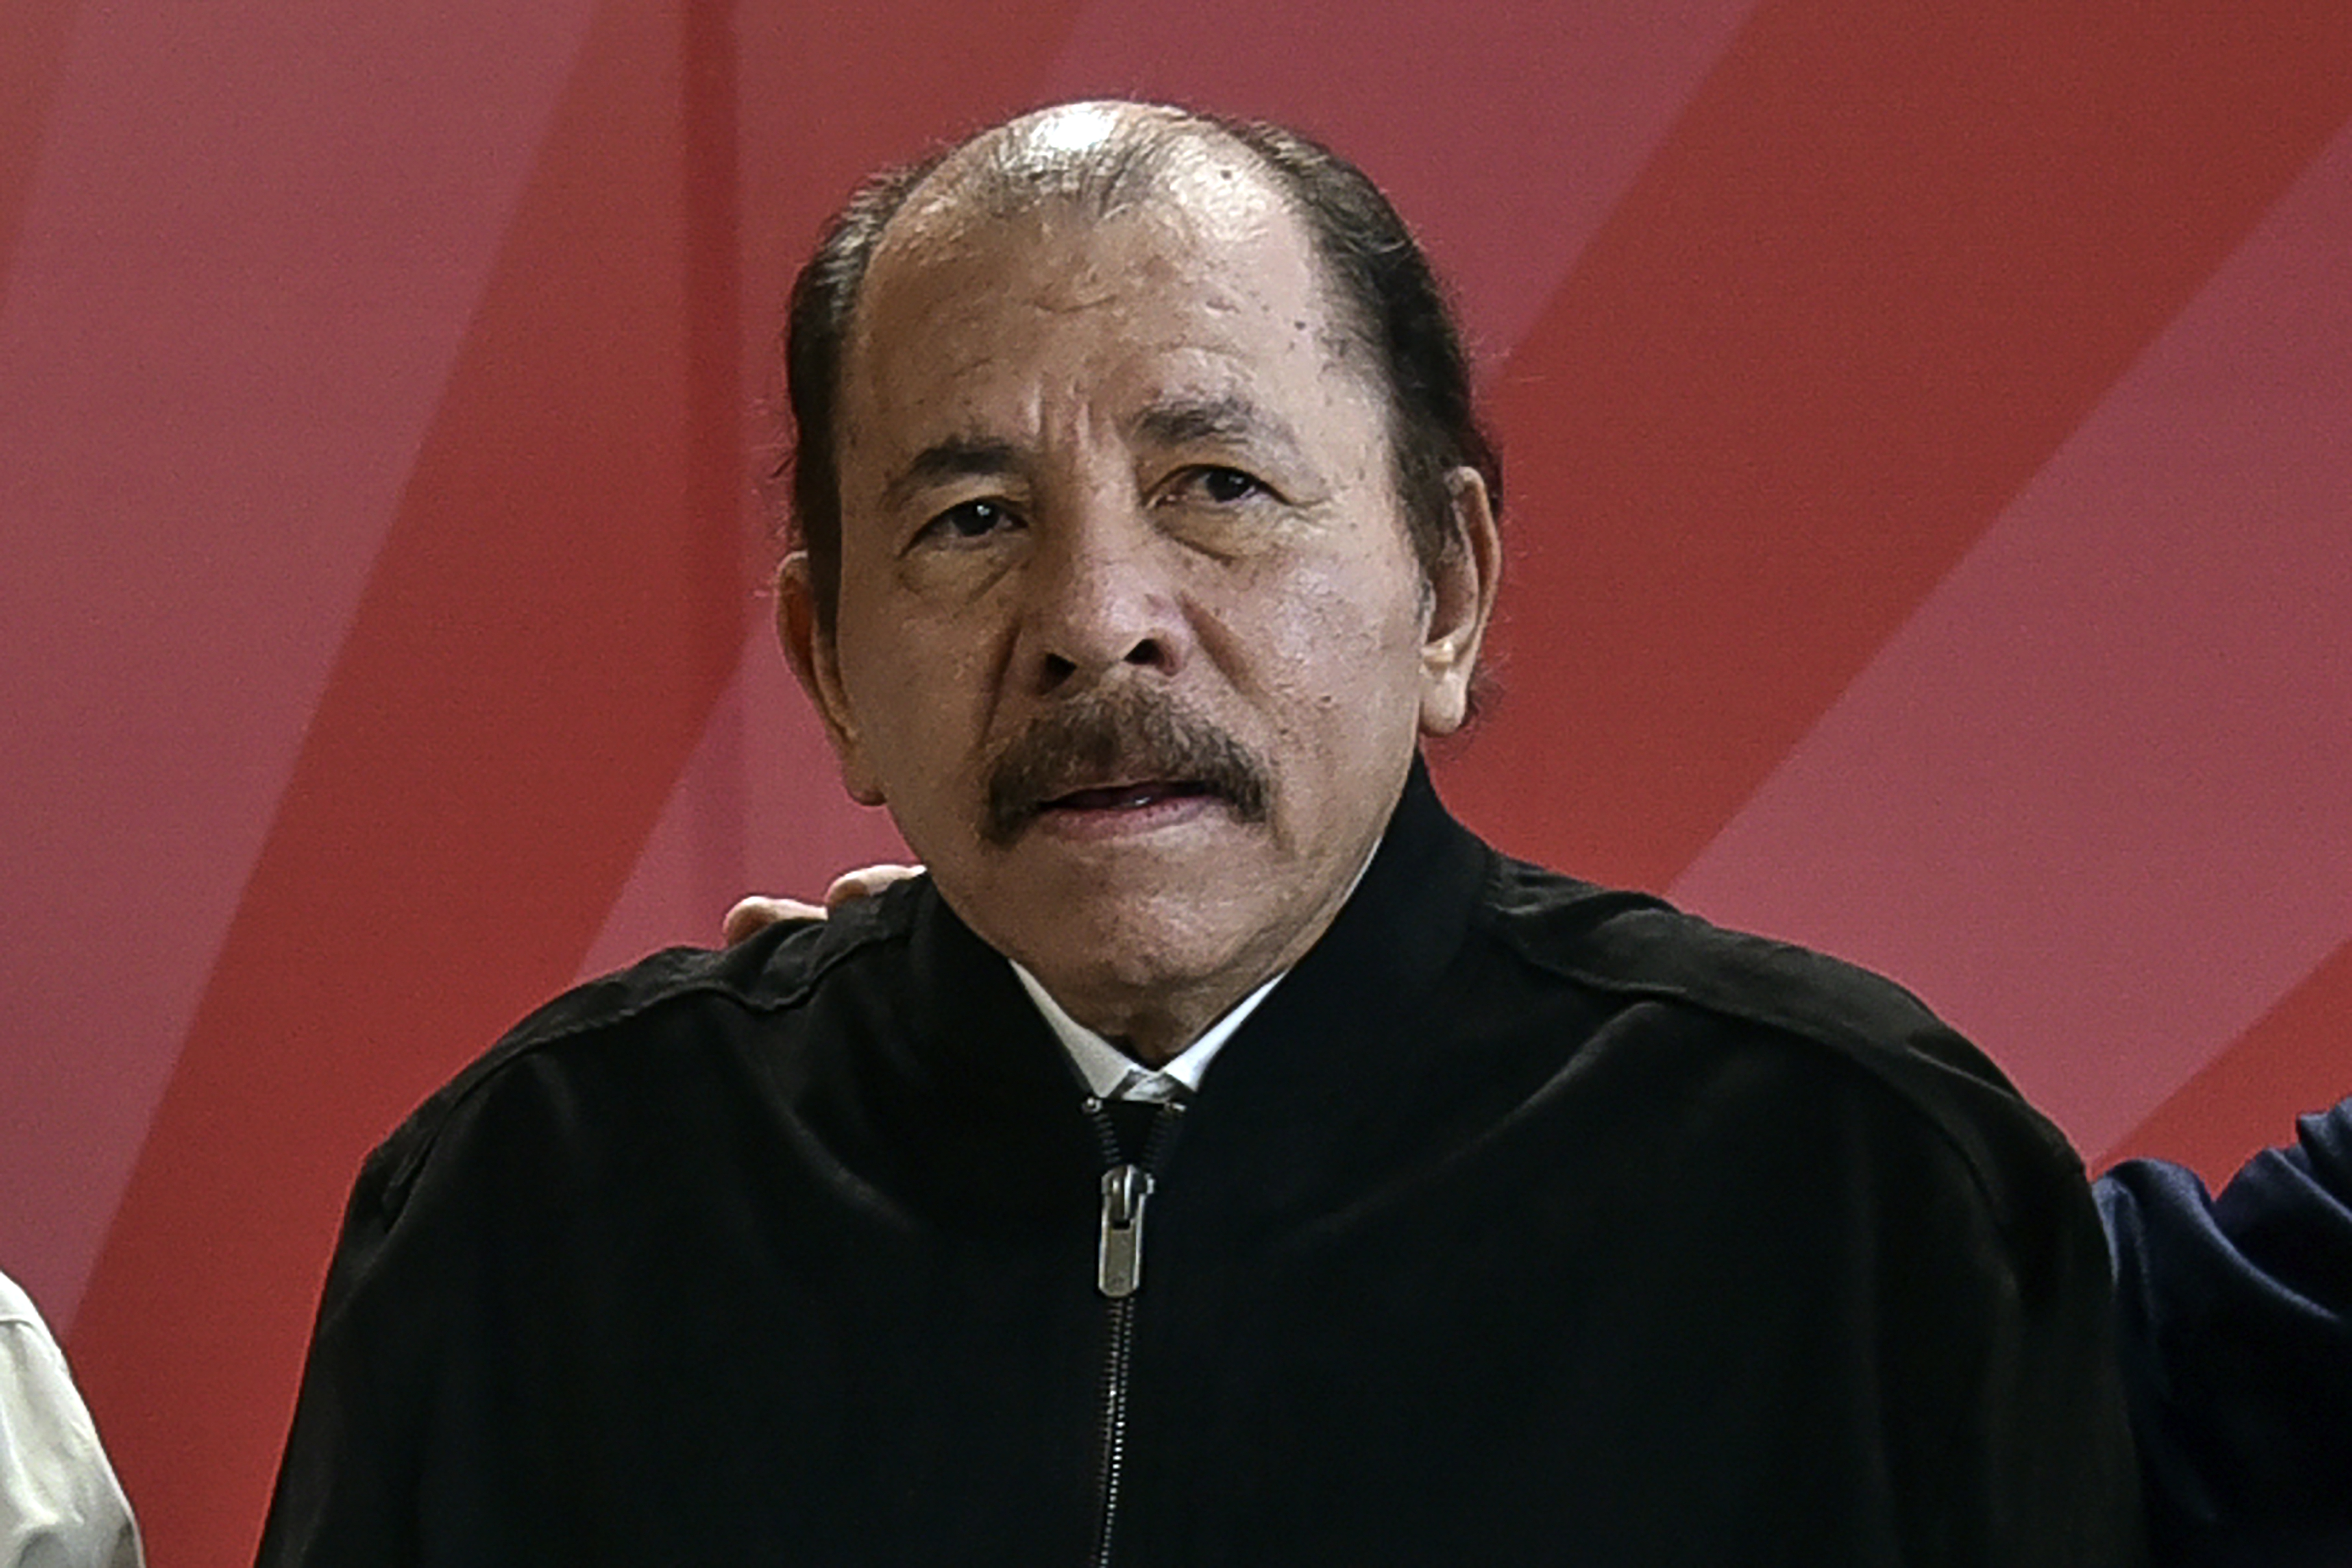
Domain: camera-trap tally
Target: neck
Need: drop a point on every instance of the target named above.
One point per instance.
(1153, 1034)
(1154, 1023)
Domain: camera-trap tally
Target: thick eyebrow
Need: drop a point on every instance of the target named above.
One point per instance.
(954, 459)
(1230, 418)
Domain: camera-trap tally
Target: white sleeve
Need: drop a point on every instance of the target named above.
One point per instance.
(60, 1506)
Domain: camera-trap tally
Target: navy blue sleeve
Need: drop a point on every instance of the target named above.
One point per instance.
(2236, 1336)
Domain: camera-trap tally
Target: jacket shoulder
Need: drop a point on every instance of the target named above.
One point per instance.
(720, 993)
(1634, 944)
(1630, 949)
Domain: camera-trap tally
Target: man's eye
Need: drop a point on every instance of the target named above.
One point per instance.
(969, 519)
(1217, 485)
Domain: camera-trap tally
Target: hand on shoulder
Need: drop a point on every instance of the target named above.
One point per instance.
(758, 911)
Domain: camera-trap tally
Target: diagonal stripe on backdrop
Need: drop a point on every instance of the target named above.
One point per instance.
(545, 571)
(1887, 260)
(2300, 1053)
(258, 237)
(2122, 712)
(559, 605)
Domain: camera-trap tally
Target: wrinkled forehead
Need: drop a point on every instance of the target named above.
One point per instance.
(1058, 269)
(1189, 222)
(978, 277)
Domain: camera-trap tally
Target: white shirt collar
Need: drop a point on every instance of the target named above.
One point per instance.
(1112, 1074)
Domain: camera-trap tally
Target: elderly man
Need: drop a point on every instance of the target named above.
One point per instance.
(1220, 1157)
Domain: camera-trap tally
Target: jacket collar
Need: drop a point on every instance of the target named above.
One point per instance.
(1352, 1010)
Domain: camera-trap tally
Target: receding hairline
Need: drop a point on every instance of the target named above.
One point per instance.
(1146, 158)
(1105, 155)
(1131, 158)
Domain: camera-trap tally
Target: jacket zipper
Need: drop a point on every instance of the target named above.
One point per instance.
(1118, 1274)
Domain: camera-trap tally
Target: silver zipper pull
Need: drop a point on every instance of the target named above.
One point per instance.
(1118, 1262)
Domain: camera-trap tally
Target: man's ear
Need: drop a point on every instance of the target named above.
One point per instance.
(1462, 599)
(815, 660)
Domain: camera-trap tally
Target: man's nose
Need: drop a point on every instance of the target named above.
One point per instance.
(1101, 597)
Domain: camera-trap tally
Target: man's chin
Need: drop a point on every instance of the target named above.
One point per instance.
(1139, 979)
(1131, 905)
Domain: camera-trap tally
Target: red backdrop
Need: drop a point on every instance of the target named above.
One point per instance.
(1930, 538)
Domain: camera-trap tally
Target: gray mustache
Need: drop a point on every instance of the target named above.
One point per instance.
(1122, 732)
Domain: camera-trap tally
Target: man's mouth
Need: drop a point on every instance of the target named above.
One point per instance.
(1132, 796)
(1121, 759)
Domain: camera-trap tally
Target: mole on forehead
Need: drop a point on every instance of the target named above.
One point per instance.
(1241, 251)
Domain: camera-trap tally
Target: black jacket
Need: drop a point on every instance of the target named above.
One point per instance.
(1525, 1223)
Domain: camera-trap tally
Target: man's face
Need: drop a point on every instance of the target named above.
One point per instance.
(1131, 636)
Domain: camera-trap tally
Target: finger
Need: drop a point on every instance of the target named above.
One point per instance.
(757, 913)
(865, 882)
